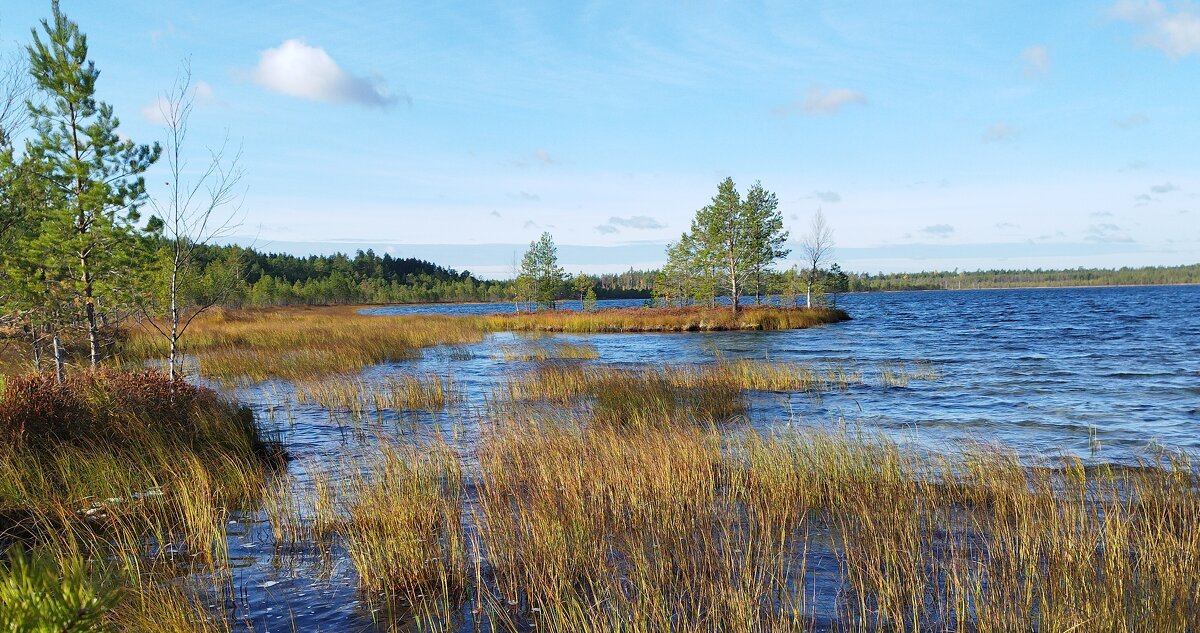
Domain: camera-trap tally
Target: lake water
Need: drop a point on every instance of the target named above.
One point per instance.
(1105, 373)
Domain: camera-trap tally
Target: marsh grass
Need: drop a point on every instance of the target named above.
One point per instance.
(133, 473)
(649, 395)
(361, 398)
(689, 319)
(403, 528)
(556, 351)
(313, 342)
(899, 374)
(679, 528)
(302, 343)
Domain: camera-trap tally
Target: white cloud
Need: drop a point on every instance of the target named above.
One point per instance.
(1166, 187)
(298, 70)
(1176, 33)
(1037, 61)
(827, 196)
(154, 111)
(819, 101)
(938, 230)
(606, 229)
(543, 157)
(637, 222)
(204, 92)
(1001, 132)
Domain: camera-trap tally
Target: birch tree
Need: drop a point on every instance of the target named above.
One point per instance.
(816, 246)
(194, 212)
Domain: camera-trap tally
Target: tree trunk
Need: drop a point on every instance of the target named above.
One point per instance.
(174, 324)
(89, 303)
(36, 344)
(733, 285)
(58, 359)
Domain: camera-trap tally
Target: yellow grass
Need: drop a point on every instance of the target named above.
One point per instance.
(303, 343)
(692, 319)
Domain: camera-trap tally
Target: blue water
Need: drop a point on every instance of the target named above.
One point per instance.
(1105, 373)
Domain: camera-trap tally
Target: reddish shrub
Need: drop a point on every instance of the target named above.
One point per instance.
(105, 406)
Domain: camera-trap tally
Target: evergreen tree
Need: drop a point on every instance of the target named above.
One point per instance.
(540, 275)
(582, 285)
(731, 242)
(765, 235)
(91, 231)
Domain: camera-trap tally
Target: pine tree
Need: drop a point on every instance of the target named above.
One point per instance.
(96, 176)
(582, 284)
(765, 235)
(540, 274)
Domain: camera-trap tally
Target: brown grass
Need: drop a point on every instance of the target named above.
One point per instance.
(303, 343)
(690, 319)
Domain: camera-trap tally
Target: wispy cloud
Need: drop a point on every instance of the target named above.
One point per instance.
(543, 157)
(1109, 233)
(827, 196)
(530, 224)
(297, 69)
(1000, 133)
(156, 111)
(1007, 225)
(1166, 187)
(819, 101)
(1174, 32)
(938, 230)
(1036, 60)
(525, 195)
(1137, 119)
(495, 214)
(637, 222)
(606, 229)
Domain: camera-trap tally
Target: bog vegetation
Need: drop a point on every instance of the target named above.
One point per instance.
(573, 496)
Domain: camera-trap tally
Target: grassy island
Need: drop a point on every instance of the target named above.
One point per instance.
(688, 319)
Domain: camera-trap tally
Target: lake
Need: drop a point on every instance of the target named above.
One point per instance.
(1108, 374)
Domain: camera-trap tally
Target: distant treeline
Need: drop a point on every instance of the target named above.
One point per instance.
(956, 280)
(366, 277)
(282, 279)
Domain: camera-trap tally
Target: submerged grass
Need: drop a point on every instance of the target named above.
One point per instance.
(555, 351)
(361, 397)
(650, 395)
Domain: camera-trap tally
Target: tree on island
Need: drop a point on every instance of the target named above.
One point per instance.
(89, 235)
(540, 272)
(817, 246)
(730, 242)
(583, 285)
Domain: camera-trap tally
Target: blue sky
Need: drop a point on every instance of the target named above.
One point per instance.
(933, 135)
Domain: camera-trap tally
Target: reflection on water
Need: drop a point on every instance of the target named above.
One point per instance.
(1113, 369)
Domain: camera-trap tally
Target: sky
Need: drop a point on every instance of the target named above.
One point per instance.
(932, 135)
